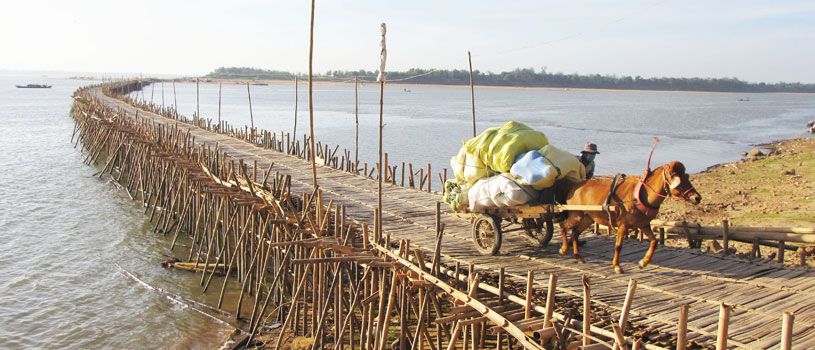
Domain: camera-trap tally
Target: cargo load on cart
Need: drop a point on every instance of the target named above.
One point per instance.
(511, 173)
(507, 166)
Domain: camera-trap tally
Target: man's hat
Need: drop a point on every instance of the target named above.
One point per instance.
(590, 148)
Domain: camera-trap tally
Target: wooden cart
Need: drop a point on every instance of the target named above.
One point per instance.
(536, 221)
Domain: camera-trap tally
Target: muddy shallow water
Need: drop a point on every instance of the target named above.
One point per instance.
(63, 235)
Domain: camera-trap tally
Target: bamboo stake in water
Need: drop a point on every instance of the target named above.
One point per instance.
(310, 98)
(197, 99)
(472, 88)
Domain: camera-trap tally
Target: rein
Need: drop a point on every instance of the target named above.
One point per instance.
(639, 203)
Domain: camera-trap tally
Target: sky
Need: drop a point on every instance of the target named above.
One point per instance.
(765, 41)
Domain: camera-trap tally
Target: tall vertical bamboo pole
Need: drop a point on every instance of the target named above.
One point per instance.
(175, 101)
(356, 121)
(251, 116)
(472, 89)
(296, 102)
(162, 95)
(383, 54)
(197, 99)
(220, 87)
(310, 98)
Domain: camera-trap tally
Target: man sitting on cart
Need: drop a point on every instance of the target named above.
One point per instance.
(587, 158)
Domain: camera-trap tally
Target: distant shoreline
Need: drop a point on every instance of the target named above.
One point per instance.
(527, 78)
(501, 87)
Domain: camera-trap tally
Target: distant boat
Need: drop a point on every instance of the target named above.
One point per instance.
(260, 84)
(744, 99)
(34, 86)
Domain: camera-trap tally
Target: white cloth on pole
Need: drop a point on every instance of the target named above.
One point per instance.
(383, 53)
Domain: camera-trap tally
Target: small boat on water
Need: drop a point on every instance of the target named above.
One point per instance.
(744, 99)
(34, 86)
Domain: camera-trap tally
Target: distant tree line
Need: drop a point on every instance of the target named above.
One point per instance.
(249, 74)
(528, 77)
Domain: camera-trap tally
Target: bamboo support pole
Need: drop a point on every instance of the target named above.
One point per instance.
(550, 300)
(296, 103)
(311, 99)
(786, 330)
(530, 278)
(356, 122)
(682, 328)
(586, 311)
(724, 322)
(472, 89)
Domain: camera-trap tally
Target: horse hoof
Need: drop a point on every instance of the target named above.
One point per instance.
(618, 270)
(642, 264)
(579, 259)
(563, 251)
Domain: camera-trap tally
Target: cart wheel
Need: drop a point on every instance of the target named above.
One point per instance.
(534, 229)
(548, 233)
(487, 234)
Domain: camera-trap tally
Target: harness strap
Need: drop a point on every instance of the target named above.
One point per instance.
(641, 204)
(614, 185)
(607, 203)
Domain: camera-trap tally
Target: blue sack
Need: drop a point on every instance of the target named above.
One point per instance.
(534, 169)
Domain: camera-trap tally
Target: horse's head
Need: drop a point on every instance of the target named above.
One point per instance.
(679, 184)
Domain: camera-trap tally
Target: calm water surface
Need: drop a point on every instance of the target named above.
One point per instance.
(62, 234)
(428, 123)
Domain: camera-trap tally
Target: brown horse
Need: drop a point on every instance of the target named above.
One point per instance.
(636, 200)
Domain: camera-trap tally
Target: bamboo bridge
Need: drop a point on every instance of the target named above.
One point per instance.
(682, 294)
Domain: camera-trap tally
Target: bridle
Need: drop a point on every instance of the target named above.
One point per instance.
(639, 202)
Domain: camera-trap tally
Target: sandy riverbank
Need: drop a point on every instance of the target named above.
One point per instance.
(774, 190)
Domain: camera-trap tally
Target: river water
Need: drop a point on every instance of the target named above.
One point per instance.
(63, 236)
(428, 123)
(69, 240)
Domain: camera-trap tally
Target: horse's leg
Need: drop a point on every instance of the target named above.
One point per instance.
(652, 241)
(576, 231)
(618, 246)
(565, 227)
